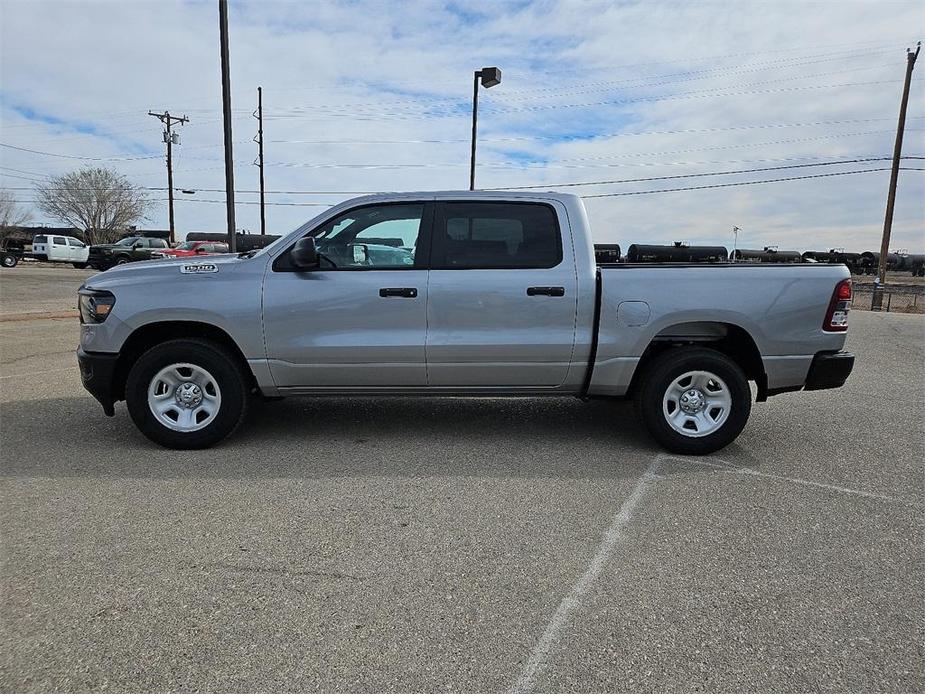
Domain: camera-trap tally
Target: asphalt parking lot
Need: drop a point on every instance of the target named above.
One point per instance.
(387, 545)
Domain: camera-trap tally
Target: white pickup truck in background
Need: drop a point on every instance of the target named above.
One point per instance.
(60, 249)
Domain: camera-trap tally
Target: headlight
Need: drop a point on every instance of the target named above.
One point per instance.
(95, 305)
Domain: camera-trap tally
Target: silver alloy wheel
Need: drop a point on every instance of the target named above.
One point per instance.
(697, 403)
(184, 397)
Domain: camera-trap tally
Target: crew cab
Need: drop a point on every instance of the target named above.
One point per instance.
(461, 294)
(132, 248)
(191, 248)
(53, 248)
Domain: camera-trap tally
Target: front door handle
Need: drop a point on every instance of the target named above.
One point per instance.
(406, 292)
(545, 291)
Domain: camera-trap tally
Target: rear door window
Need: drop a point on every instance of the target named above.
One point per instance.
(40, 239)
(471, 235)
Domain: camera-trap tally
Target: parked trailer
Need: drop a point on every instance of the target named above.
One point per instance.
(678, 253)
(607, 252)
(767, 255)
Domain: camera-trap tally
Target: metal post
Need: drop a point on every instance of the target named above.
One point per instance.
(263, 215)
(475, 120)
(894, 174)
(226, 113)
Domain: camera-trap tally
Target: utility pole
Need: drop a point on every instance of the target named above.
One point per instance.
(894, 176)
(170, 139)
(258, 114)
(226, 117)
(735, 241)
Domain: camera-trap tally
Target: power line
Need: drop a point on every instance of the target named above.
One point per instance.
(688, 95)
(695, 175)
(741, 183)
(74, 156)
(538, 186)
(598, 195)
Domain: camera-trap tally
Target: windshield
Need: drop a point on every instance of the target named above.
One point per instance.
(127, 242)
(186, 246)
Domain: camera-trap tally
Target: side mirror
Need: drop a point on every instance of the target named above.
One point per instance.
(200, 249)
(304, 255)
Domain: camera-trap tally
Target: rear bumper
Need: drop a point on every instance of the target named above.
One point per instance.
(97, 372)
(829, 370)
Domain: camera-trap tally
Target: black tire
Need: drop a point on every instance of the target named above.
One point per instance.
(662, 371)
(9, 260)
(80, 266)
(217, 360)
(122, 260)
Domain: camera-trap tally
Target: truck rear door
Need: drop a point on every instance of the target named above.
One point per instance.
(502, 296)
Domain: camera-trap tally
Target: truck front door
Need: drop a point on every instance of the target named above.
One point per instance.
(358, 321)
(502, 296)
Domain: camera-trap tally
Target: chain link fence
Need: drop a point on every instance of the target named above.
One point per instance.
(890, 298)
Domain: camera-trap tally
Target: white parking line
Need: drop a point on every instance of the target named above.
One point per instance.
(723, 466)
(613, 535)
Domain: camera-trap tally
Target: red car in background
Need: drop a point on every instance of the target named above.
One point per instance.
(191, 248)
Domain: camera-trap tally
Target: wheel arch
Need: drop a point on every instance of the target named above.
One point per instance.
(149, 335)
(728, 338)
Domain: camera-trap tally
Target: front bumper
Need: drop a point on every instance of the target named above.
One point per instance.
(829, 370)
(97, 372)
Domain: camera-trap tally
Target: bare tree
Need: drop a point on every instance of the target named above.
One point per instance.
(100, 202)
(11, 214)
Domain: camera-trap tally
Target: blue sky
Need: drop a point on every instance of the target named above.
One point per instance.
(370, 95)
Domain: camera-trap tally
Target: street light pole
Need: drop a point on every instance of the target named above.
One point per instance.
(489, 76)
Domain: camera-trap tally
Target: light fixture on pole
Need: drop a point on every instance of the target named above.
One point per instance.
(489, 76)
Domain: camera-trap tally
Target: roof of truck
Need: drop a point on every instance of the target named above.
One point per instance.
(477, 194)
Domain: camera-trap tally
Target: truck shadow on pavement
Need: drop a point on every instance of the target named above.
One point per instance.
(321, 437)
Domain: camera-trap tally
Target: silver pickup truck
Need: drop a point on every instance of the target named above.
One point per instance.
(462, 294)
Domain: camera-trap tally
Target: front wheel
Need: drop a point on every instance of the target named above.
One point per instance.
(80, 266)
(694, 401)
(187, 393)
(122, 260)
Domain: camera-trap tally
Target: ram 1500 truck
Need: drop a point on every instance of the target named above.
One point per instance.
(461, 294)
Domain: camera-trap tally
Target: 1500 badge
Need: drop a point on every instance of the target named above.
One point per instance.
(198, 268)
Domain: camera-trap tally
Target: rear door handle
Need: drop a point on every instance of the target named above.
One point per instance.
(545, 291)
(406, 292)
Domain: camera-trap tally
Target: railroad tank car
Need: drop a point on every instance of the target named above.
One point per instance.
(766, 255)
(678, 253)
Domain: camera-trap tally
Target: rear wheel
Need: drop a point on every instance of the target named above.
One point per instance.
(187, 393)
(694, 400)
(9, 260)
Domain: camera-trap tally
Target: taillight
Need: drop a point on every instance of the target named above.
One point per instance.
(836, 318)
